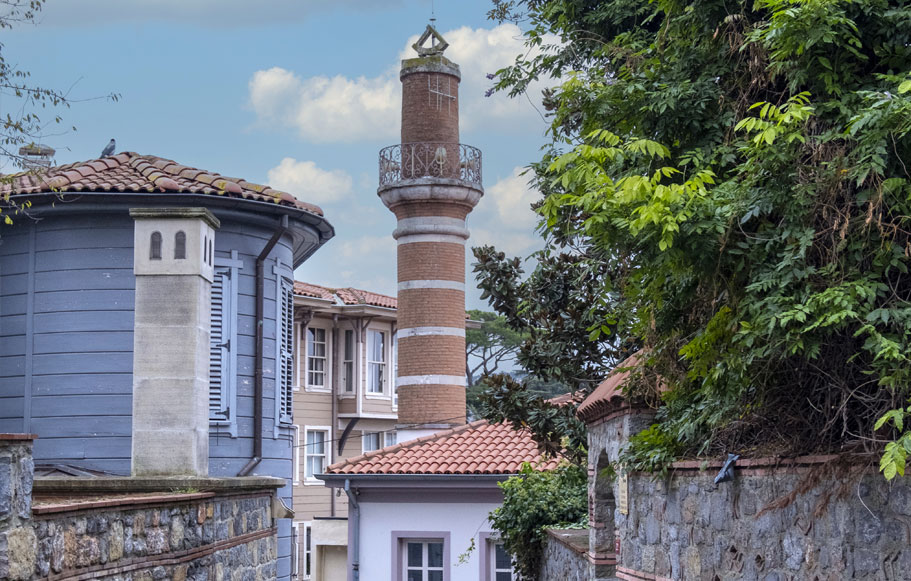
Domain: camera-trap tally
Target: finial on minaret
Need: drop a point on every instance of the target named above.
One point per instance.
(438, 44)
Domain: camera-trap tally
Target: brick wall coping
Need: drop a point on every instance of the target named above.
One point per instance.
(56, 505)
(766, 462)
(573, 539)
(15, 437)
(125, 485)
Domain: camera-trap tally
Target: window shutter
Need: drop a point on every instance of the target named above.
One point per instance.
(220, 347)
(285, 363)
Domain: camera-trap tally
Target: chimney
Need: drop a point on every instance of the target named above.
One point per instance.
(36, 157)
(430, 182)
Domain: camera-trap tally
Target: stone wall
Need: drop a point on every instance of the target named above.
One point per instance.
(812, 518)
(565, 555)
(16, 475)
(138, 529)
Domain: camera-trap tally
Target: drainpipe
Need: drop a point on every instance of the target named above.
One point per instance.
(335, 392)
(258, 372)
(354, 518)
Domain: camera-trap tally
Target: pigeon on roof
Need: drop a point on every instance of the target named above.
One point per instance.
(109, 149)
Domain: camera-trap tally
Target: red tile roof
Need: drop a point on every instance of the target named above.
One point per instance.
(476, 448)
(130, 172)
(608, 396)
(346, 296)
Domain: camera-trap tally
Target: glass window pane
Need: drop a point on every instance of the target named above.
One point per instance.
(415, 576)
(415, 555)
(434, 576)
(435, 555)
(390, 439)
(502, 558)
(504, 577)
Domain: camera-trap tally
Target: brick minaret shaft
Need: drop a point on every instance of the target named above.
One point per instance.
(431, 202)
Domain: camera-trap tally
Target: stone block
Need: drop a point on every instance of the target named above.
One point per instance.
(22, 552)
(6, 487)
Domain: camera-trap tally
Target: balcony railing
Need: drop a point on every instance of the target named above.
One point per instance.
(409, 161)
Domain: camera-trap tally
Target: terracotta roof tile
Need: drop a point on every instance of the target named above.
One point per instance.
(346, 296)
(132, 172)
(609, 396)
(476, 448)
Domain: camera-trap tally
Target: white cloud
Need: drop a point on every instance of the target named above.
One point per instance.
(366, 262)
(324, 109)
(513, 198)
(235, 13)
(504, 217)
(342, 109)
(310, 183)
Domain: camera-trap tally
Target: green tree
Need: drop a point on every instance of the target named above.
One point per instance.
(536, 500)
(490, 345)
(733, 175)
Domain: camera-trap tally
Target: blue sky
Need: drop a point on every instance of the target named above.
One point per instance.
(299, 94)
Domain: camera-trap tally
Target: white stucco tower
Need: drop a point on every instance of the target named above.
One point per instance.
(431, 182)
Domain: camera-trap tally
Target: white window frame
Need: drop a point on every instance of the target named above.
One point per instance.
(296, 455)
(385, 438)
(327, 445)
(298, 333)
(383, 393)
(395, 371)
(327, 340)
(295, 549)
(348, 367)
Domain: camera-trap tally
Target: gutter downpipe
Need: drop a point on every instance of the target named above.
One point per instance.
(335, 392)
(258, 373)
(356, 530)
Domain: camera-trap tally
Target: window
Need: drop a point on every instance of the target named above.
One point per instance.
(376, 361)
(420, 555)
(500, 563)
(301, 550)
(180, 246)
(371, 441)
(348, 362)
(316, 358)
(295, 455)
(222, 342)
(155, 246)
(284, 358)
(315, 453)
(221, 329)
(423, 560)
(395, 370)
(496, 563)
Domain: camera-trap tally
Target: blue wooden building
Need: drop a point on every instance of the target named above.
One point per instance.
(68, 309)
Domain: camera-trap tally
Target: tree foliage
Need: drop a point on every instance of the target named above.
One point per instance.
(490, 345)
(532, 502)
(732, 179)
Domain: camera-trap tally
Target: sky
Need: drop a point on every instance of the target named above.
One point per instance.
(297, 94)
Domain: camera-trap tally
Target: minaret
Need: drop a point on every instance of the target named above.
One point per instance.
(431, 182)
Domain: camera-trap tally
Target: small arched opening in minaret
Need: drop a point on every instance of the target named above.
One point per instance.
(155, 246)
(180, 245)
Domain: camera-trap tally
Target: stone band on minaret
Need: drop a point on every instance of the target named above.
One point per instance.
(431, 182)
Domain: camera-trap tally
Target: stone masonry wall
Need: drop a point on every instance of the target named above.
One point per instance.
(564, 556)
(17, 471)
(227, 534)
(813, 519)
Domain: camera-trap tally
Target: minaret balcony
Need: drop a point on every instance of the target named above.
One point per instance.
(446, 162)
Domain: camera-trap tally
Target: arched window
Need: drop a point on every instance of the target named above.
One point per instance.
(180, 245)
(155, 246)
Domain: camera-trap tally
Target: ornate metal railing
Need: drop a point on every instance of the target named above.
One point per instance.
(435, 160)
